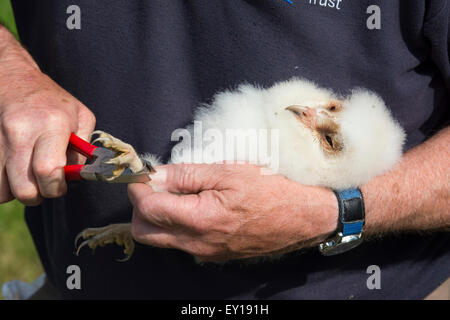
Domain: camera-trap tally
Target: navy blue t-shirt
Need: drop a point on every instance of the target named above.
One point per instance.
(143, 66)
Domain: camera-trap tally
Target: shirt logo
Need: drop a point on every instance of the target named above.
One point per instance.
(323, 3)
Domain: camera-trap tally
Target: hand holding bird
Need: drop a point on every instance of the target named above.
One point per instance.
(221, 212)
(224, 211)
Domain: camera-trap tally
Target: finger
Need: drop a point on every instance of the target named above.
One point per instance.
(49, 159)
(86, 123)
(5, 192)
(149, 234)
(173, 221)
(137, 192)
(166, 209)
(186, 178)
(23, 184)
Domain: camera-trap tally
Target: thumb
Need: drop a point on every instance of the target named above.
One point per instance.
(185, 178)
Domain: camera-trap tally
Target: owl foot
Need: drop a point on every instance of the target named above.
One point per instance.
(114, 233)
(126, 156)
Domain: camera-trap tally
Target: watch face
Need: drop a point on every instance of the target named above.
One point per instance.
(352, 210)
(340, 244)
(343, 247)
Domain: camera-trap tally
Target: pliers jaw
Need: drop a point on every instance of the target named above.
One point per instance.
(99, 170)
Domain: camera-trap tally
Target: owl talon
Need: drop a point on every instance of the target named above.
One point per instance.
(102, 140)
(126, 156)
(114, 233)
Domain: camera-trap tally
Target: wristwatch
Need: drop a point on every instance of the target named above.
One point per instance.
(349, 232)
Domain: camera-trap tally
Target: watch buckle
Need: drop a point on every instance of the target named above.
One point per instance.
(340, 244)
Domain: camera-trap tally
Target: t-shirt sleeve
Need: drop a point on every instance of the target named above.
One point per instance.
(437, 31)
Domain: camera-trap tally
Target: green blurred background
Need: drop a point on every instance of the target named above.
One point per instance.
(18, 257)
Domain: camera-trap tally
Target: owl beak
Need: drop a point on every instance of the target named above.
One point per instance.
(302, 111)
(304, 114)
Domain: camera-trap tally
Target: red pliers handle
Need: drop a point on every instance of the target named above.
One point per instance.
(73, 172)
(99, 169)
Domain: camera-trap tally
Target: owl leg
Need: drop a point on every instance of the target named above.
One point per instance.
(114, 233)
(126, 156)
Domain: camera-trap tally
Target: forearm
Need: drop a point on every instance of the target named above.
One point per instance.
(12, 51)
(18, 70)
(415, 195)
(19, 73)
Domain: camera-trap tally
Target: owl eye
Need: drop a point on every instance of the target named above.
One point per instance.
(329, 140)
(332, 108)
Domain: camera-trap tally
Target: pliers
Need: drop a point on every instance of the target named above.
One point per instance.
(99, 170)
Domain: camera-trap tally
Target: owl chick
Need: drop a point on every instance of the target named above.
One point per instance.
(323, 139)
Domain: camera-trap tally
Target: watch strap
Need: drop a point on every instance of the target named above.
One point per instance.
(351, 211)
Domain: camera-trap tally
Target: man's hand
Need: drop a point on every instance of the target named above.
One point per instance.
(36, 119)
(228, 212)
(223, 212)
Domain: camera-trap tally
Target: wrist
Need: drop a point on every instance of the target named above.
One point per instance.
(324, 216)
(18, 83)
(5, 37)
(13, 57)
(349, 231)
(330, 213)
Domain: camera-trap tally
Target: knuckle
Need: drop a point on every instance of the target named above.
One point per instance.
(53, 118)
(20, 124)
(90, 117)
(28, 196)
(12, 124)
(186, 178)
(43, 169)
